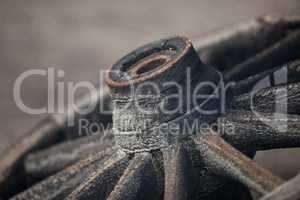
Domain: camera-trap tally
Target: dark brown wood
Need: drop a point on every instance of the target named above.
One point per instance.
(177, 173)
(139, 180)
(283, 98)
(218, 170)
(100, 182)
(63, 183)
(278, 54)
(224, 160)
(227, 48)
(248, 131)
(47, 162)
(12, 173)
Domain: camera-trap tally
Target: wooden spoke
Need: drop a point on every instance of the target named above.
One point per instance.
(139, 180)
(177, 173)
(61, 184)
(12, 175)
(102, 180)
(279, 99)
(286, 74)
(224, 160)
(278, 54)
(50, 161)
(227, 48)
(260, 131)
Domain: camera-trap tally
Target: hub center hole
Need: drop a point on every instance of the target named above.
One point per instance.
(151, 65)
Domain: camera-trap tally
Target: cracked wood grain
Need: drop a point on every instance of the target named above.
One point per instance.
(46, 162)
(63, 183)
(224, 160)
(139, 180)
(99, 183)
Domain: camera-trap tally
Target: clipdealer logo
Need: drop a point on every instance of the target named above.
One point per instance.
(61, 95)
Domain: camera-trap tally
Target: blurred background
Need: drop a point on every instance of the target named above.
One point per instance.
(81, 37)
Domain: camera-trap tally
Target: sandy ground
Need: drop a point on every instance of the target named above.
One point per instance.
(81, 37)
